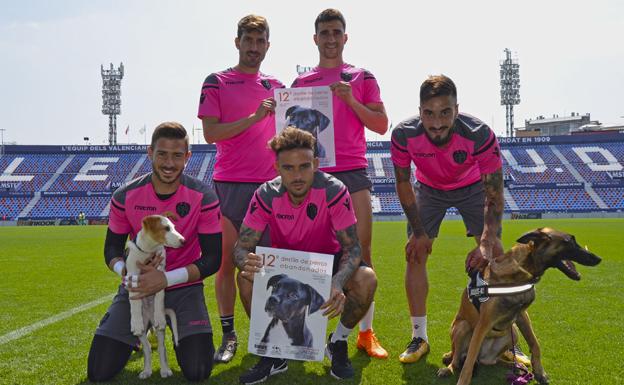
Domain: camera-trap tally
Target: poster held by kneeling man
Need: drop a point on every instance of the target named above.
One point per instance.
(285, 317)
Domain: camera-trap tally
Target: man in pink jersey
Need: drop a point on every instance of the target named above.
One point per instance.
(194, 209)
(357, 103)
(236, 108)
(308, 210)
(458, 164)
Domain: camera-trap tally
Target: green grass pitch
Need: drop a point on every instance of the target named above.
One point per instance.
(50, 270)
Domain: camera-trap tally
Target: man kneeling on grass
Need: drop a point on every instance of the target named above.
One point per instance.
(323, 222)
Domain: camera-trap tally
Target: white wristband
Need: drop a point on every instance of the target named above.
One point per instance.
(118, 267)
(177, 276)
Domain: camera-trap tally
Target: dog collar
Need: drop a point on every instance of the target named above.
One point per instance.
(133, 241)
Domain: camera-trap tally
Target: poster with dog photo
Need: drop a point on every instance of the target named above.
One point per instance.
(310, 109)
(286, 321)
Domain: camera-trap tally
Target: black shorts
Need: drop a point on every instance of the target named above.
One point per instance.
(187, 302)
(433, 203)
(355, 180)
(234, 198)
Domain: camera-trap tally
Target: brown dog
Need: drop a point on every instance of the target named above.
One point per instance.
(482, 335)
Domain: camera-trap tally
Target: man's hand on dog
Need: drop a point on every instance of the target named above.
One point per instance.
(343, 91)
(253, 264)
(418, 248)
(335, 303)
(481, 255)
(266, 108)
(149, 282)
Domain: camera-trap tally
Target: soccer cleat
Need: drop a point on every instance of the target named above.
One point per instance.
(508, 357)
(367, 340)
(415, 350)
(227, 350)
(265, 368)
(340, 364)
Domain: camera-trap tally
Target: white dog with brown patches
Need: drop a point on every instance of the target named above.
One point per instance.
(156, 233)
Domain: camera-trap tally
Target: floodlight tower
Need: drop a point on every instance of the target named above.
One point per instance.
(111, 98)
(510, 88)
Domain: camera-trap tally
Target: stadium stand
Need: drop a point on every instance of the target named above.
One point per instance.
(543, 174)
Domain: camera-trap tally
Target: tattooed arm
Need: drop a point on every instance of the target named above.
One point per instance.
(490, 245)
(493, 214)
(349, 262)
(244, 257)
(419, 244)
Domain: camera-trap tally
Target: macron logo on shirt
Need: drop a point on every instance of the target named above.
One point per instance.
(288, 217)
(144, 208)
(235, 82)
(313, 80)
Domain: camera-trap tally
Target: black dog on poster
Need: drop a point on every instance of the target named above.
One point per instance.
(287, 303)
(310, 120)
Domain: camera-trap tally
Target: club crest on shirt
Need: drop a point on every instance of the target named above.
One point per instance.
(266, 84)
(183, 209)
(312, 210)
(460, 156)
(346, 77)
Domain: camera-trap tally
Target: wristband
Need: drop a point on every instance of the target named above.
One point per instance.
(177, 276)
(118, 267)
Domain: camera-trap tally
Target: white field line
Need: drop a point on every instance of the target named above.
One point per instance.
(19, 333)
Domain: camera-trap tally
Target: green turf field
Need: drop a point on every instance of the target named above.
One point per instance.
(50, 270)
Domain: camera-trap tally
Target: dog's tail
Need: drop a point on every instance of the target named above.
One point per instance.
(174, 325)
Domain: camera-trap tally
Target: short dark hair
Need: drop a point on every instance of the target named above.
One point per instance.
(327, 15)
(252, 23)
(437, 85)
(170, 130)
(290, 139)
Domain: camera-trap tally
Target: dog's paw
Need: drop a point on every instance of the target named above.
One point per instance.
(447, 358)
(445, 372)
(147, 373)
(137, 328)
(165, 372)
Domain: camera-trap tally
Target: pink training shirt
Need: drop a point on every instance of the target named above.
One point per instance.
(193, 209)
(231, 95)
(472, 151)
(349, 136)
(312, 225)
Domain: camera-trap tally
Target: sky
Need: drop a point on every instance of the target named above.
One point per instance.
(571, 58)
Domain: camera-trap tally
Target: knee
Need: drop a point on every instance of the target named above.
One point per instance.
(364, 281)
(195, 356)
(107, 357)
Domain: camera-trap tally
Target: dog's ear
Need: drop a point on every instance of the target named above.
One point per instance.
(537, 236)
(315, 300)
(322, 120)
(275, 279)
(290, 110)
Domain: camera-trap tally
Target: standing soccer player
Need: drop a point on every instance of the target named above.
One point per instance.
(307, 210)
(236, 108)
(357, 103)
(458, 164)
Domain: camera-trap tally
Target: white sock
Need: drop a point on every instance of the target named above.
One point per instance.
(366, 322)
(419, 327)
(341, 333)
